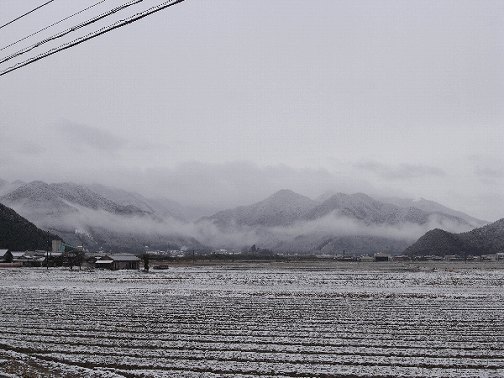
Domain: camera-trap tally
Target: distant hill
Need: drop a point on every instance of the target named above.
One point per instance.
(16, 233)
(488, 239)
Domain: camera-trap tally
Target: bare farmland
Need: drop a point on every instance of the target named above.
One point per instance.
(257, 320)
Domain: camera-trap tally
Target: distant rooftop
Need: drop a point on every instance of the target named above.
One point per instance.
(123, 257)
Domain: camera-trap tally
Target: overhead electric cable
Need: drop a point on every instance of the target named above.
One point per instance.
(50, 26)
(26, 14)
(70, 30)
(97, 33)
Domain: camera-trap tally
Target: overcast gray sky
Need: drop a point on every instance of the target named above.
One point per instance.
(227, 101)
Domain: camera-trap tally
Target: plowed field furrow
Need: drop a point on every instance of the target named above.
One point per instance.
(370, 339)
(262, 365)
(302, 346)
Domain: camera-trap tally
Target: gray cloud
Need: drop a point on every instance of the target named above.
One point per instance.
(401, 171)
(487, 168)
(408, 88)
(79, 135)
(489, 172)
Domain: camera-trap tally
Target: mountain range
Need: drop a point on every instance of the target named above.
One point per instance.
(114, 219)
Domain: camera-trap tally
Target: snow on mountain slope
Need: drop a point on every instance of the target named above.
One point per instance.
(7, 187)
(281, 209)
(39, 198)
(286, 207)
(162, 207)
(362, 207)
(434, 207)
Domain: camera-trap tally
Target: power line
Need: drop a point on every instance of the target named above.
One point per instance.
(69, 30)
(25, 14)
(50, 26)
(95, 34)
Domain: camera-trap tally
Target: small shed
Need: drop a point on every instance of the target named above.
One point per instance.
(118, 261)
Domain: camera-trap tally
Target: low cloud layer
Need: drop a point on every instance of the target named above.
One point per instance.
(335, 225)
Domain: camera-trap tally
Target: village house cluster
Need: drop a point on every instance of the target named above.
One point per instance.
(61, 255)
(39, 258)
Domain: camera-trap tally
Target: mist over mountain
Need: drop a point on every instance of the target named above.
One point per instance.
(99, 216)
(368, 210)
(60, 199)
(7, 187)
(17, 233)
(163, 207)
(488, 239)
(125, 198)
(82, 216)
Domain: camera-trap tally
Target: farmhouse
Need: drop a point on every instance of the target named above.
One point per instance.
(29, 258)
(5, 256)
(401, 258)
(366, 258)
(380, 256)
(118, 261)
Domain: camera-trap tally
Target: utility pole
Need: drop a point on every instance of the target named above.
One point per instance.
(47, 255)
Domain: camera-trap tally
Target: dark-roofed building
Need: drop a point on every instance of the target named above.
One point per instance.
(381, 256)
(29, 258)
(118, 261)
(5, 256)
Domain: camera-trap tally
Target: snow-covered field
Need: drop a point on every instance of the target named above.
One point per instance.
(255, 320)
